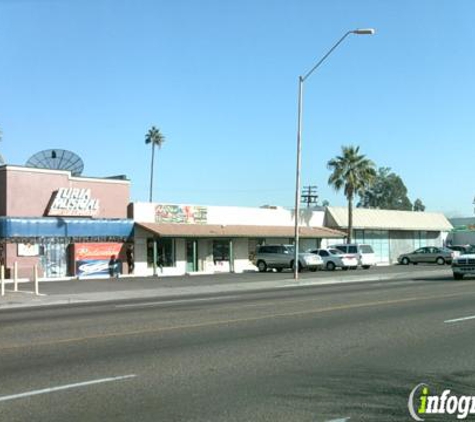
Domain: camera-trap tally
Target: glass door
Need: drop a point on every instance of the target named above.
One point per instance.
(191, 255)
(54, 260)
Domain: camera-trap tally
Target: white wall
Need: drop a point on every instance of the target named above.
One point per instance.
(144, 212)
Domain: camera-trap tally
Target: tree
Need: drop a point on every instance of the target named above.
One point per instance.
(352, 172)
(418, 205)
(154, 137)
(388, 192)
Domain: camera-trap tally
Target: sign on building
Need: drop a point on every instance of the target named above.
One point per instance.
(184, 214)
(73, 202)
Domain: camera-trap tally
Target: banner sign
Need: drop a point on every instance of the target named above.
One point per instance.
(73, 202)
(28, 249)
(181, 214)
(92, 259)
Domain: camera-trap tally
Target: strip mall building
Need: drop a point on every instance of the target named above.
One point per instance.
(64, 225)
(71, 225)
(178, 239)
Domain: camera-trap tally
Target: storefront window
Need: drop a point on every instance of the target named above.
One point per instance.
(378, 239)
(165, 249)
(220, 250)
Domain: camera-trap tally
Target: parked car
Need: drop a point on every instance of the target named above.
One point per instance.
(463, 264)
(363, 253)
(463, 249)
(282, 256)
(428, 254)
(334, 258)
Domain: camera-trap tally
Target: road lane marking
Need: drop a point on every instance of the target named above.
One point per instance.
(174, 302)
(340, 420)
(64, 387)
(449, 321)
(237, 320)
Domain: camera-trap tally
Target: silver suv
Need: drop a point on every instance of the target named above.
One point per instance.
(282, 256)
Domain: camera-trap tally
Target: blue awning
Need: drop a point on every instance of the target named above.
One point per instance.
(13, 228)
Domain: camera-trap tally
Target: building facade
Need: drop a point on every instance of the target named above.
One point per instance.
(64, 225)
(175, 239)
(391, 233)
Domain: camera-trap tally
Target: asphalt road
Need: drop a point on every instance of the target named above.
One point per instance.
(328, 353)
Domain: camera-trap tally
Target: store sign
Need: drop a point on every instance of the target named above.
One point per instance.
(181, 214)
(73, 202)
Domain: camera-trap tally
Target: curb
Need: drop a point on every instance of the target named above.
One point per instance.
(167, 293)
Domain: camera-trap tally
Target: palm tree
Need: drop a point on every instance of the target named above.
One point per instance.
(155, 138)
(354, 173)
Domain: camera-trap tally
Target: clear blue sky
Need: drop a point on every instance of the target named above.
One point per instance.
(219, 78)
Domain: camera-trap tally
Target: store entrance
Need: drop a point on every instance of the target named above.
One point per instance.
(54, 260)
(191, 255)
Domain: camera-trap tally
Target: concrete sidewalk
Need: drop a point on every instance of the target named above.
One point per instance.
(130, 288)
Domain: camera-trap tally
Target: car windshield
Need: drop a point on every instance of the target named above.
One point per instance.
(335, 252)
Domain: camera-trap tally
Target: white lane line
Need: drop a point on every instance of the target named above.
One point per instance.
(340, 420)
(449, 321)
(173, 302)
(64, 387)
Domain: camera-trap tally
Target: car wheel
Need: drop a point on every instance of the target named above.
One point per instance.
(458, 276)
(330, 266)
(440, 261)
(405, 261)
(262, 266)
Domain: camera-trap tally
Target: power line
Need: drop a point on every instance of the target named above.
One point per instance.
(309, 195)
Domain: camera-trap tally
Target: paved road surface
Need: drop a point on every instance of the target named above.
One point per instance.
(310, 354)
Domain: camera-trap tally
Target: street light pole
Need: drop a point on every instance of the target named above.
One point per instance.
(368, 31)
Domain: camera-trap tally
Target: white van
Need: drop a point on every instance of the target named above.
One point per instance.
(364, 253)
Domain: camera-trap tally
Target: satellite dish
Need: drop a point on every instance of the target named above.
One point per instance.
(57, 159)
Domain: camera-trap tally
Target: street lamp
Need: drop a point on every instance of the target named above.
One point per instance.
(365, 31)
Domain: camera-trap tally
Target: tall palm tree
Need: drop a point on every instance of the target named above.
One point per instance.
(352, 172)
(154, 137)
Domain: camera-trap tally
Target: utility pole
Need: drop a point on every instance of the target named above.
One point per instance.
(309, 195)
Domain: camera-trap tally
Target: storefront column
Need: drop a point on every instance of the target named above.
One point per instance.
(231, 256)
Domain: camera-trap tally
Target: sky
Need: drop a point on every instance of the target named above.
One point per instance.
(219, 78)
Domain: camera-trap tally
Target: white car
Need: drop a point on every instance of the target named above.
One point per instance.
(463, 264)
(364, 253)
(334, 258)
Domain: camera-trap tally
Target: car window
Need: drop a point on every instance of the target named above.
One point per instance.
(366, 249)
(323, 253)
(420, 250)
(341, 248)
(335, 251)
(352, 249)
